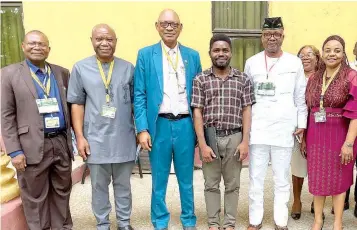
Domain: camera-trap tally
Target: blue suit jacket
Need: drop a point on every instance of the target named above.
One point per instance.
(148, 84)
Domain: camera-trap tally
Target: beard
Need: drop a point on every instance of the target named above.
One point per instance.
(273, 48)
(220, 65)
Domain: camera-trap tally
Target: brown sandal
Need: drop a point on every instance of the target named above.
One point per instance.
(255, 227)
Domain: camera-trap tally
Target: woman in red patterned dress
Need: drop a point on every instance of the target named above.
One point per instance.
(331, 96)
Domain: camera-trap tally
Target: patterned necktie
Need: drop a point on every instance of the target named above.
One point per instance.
(172, 54)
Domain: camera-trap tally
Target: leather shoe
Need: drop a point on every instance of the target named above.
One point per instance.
(190, 228)
(126, 228)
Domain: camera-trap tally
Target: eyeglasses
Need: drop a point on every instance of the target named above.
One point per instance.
(275, 35)
(39, 44)
(308, 55)
(101, 39)
(174, 25)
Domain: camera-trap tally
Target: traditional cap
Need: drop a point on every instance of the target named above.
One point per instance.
(273, 23)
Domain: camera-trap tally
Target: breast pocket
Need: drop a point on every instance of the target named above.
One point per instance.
(286, 83)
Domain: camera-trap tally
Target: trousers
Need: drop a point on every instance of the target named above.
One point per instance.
(258, 164)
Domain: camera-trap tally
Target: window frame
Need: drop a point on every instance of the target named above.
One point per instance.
(236, 33)
(19, 5)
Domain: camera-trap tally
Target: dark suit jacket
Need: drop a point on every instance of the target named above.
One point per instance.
(22, 126)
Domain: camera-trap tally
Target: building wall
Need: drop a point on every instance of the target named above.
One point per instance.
(68, 26)
(312, 22)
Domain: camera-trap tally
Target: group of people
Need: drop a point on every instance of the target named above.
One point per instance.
(282, 108)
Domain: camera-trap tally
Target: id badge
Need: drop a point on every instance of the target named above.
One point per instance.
(320, 116)
(48, 105)
(52, 122)
(266, 89)
(108, 111)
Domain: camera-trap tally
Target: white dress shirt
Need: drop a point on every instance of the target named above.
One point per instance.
(275, 118)
(175, 96)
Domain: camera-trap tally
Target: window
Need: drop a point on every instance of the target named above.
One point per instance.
(12, 33)
(242, 22)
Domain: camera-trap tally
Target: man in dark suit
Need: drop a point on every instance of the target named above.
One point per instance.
(35, 126)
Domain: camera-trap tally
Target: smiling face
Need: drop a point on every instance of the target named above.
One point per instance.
(220, 54)
(36, 47)
(272, 40)
(332, 54)
(309, 59)
(104, 42)
(169, 27)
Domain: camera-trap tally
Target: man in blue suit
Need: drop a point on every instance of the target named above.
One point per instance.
(162, 94)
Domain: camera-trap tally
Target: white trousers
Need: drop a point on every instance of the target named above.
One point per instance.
(258, 164)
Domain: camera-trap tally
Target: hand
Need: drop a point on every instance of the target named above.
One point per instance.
(303, 148)
(346, 154)
(19, 162)
(83, 147)
(243, 150)
(145, 140)
(300, 133)
(207, 154)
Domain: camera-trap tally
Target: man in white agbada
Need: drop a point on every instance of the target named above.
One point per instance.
(279, 115)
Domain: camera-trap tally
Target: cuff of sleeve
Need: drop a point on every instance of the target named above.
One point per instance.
(302, 122)
(16, 153)
(76, 100)
(251, 103)
(196, 105)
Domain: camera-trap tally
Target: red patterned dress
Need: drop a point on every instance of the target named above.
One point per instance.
(326, 175)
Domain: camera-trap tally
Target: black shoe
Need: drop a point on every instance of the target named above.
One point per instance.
(355, 212)
(277, 227)
(126, 228)
(189, 228)
(296, 215)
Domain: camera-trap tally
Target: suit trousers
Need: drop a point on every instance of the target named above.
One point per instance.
(175, 140)
(258, 164)
(45, 187)
(101, 175)
(226, 164)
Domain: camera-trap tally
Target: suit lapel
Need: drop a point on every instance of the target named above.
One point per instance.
(26, 76)
(59, 79)
(157, 57)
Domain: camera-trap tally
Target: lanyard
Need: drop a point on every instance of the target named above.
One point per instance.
(106, 80)
(266, 64)
(45, 86)
(325, 85)
(170, 60)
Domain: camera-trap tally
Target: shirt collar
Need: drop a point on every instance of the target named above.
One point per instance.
(34, 68)
(167, 49)
(231, 73)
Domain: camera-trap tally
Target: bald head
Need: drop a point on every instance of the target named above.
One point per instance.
(36, 47)
(104, 41)
(167, 15)
(103, 26)
(169, 27)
